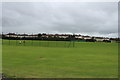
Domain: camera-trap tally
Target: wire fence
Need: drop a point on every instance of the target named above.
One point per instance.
(40, 40)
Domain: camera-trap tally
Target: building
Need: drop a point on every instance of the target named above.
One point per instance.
(86, 37)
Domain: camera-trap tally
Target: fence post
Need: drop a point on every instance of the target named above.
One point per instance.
(24, 39)
(2, 38)
(39, 38)
(64, 42)
(56, 40)
(73, 40)
(39, 41)
(48, 41)
(73, 44)
(16, 38)
(9, 38)
(32, 39)
(70, 41)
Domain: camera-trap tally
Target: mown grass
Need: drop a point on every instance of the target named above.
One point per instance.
(85, 60)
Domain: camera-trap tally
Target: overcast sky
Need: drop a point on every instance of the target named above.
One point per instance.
(86, 18)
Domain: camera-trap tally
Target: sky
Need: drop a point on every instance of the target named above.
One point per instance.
(85, 18)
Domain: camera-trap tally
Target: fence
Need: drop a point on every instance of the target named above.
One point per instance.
(37, 40)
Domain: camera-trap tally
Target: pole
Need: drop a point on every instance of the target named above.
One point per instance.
(48, 40)
(2, 38)
(32, 39)
(9, 38)
(42, 43)
(65, 42)
(48, 43)
(73, 44)
(70, 41)
(73, 39)
(24, 39)
(16, 38)
(39, 40)
(56, 41)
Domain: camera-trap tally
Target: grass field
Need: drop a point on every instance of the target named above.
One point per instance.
(85, 60)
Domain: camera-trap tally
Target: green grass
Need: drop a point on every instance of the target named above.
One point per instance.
(85, 60)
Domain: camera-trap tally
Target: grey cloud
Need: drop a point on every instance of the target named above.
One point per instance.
(88, 18)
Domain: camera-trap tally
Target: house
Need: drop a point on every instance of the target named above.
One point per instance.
(30, 36)
(63, 36)
(78, 37)
(86, 37)
(22, 35)
(99, 39)
(10, 35)
(115, 40)
(55, 35)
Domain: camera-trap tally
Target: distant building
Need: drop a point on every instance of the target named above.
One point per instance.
(60, 37)
(99, 39)
(115, 40)
(86, 37)
(78, 37)
(10, 35)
